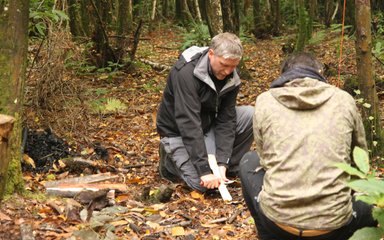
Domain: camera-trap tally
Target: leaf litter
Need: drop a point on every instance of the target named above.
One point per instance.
(125, 144)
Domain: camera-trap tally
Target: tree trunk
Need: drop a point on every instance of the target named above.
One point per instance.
(236, 17)
(349, 13)
(226, 9)
(85, 28)
(6, 125)
(275, 10)
(124, 27)
(258, 30)
(104, 51)
(365, 77)
(197, 10)
(153, 13)
(179, 11)
(137, 8)
(302, 27)
(73, 18)
(165, 8)
(329, 7)
(214, 17)
(203, 10)
(311, 16)
(192, 9)
(186, 14)
(247, 5)
(13, 53)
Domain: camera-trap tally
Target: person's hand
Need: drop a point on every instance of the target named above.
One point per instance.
(223, 170)
(210, 181)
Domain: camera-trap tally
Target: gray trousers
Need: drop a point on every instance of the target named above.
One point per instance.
(176, 160)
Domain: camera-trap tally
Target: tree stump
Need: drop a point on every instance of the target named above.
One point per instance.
(6, 125)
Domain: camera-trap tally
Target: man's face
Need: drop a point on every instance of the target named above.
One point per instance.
(222, 67)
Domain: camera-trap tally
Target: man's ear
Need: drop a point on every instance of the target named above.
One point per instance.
(210, 53)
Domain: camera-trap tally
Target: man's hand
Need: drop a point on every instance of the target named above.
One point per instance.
(223, 170)
(210, 181)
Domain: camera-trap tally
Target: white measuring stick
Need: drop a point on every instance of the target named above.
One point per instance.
(225, 195)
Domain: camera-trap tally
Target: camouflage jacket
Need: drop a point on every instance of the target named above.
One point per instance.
(301, 130)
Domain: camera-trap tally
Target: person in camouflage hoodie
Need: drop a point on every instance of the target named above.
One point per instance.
(302, 127)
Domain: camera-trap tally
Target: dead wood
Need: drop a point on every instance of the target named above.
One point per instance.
(136, 39)
(71, 190)
(138, 165)
(55, 207)
(79, 165)
(165, 193)
(156, 66)
(219, 220)
(134, 228)
(185, 216)
(26, 232)
(180, 224)
(95, 178)
(234, 215)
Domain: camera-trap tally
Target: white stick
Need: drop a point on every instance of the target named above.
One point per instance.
(215, 169)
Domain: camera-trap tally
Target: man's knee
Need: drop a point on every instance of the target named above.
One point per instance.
(245, 116)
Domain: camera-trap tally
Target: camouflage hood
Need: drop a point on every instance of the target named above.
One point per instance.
(303, 94)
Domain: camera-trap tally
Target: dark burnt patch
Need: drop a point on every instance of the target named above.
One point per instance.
(45, 148)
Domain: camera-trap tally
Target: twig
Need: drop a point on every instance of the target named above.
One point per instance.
(134, 228)
(234, 215)
(55, 207)
(185, 216)
(137, 165)
(136, 39)
(181, 224)
(35, 57)
(219, 220)
(378, 59)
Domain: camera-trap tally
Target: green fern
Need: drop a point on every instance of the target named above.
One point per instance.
(107, 106)
(114, 105)
(198, 36)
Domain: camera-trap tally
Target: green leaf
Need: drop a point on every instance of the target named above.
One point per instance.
(368, 199)
(367, 105)
(378, 214)
(370, 186)
(361, 159)
(350, 170)
(357, 92)
(367, 233)
(61, 14)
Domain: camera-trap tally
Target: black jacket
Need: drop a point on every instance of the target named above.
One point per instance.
(191, 106)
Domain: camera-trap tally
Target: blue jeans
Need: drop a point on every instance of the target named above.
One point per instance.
(251, 175)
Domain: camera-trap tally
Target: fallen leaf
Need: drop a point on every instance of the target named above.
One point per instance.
(197, 195)
(28, 160)
(119, 223)
(178, 231)
(4, 217)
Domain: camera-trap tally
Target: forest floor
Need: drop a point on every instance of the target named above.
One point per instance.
(65, 122)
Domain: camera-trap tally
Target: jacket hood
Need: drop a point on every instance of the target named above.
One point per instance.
(303, 93)
(295, 73)
(201, 69)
